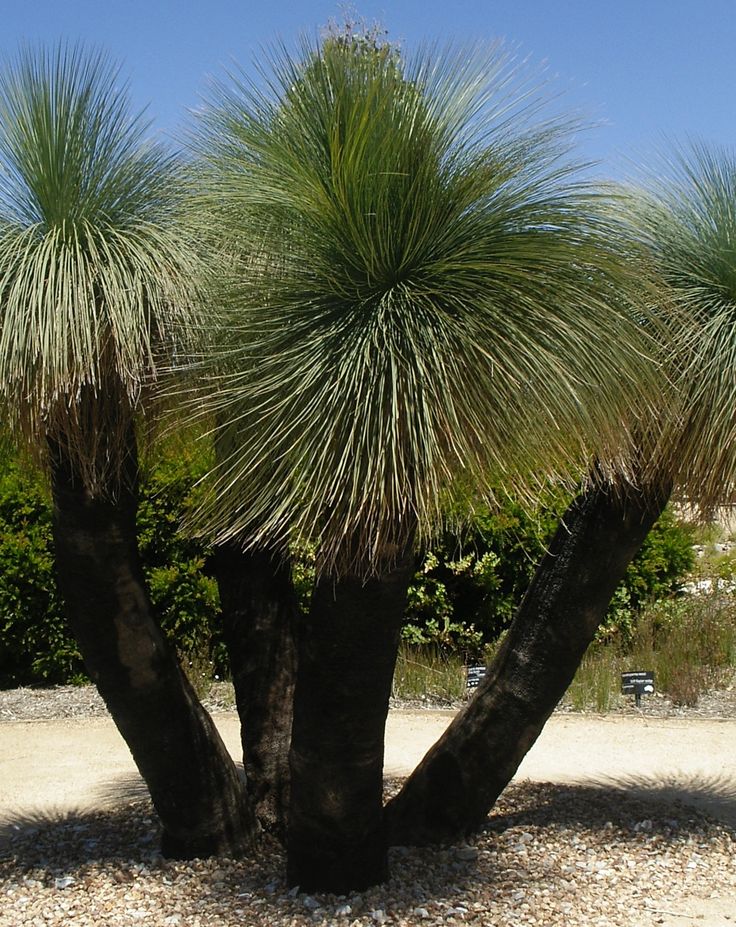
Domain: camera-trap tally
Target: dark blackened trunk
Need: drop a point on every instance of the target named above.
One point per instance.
(260, 616)
(457, 783)
(347, 653)
(194, 784)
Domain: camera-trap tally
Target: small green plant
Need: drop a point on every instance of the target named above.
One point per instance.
(596, 683)
(303, 574)
(199, 670)
(429, 612)
(689, 643)
(693, 643)
(428, 673)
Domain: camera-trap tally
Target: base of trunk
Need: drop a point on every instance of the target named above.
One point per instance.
(347, 653)
(260, 615)
(194, 784)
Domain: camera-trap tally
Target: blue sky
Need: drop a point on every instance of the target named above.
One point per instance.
(644, 68)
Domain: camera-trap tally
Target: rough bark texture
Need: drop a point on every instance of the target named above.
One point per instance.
(194, 784)
(347, 653)
(260, 615)
(457, 783)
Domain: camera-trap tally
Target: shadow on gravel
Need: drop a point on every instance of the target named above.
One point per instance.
(123, 789)
(716, 795)
(34, 839)
(123, 824)
(632, 805)
(129, 829)
(535, 842)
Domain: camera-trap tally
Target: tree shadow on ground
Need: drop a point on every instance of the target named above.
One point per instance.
(36, 838)
(124, 823)
(122, 840)
(668, 806)
(119, 822)
(714, 794)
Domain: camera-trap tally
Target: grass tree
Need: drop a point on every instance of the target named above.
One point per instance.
(428, 295)
(686, 224)
(97, 290)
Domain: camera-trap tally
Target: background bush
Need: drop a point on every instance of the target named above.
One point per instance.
(467, 588)
(183, 593)
(35, 646)
(463, 595)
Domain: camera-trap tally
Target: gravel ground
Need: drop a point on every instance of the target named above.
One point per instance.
(81, 702)
(549, 855)
(84, 702)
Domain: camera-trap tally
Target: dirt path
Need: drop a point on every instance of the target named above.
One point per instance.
(48, 766)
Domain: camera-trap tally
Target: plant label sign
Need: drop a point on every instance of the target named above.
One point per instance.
(637, 683)
(474, 676)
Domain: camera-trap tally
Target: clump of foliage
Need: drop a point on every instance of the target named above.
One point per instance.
(429, 674)
(660, 566)
(469, 585)
(689, 643)
(657, 573)
(35, 645)
(183, 593)
(475, 577)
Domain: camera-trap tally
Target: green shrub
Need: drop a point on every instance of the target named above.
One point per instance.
(184, 596)
(468, 587)
(35, 646)
(666, 557)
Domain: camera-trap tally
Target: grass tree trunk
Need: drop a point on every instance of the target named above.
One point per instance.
(452, 790)
(347, 653)
(260, 615)
(194, 784)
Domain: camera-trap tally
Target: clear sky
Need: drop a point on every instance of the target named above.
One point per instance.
(644, 68)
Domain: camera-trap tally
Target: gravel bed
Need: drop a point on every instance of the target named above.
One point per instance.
(549, 855)
(84, 702)
(59, 702)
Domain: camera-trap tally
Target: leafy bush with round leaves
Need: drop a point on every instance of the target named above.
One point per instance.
(474, 582)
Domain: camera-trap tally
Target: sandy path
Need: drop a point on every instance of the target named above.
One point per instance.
(48, 766)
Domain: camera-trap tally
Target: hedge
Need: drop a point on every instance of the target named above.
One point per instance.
(35, 646)
(462, 597)
(467, 587)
